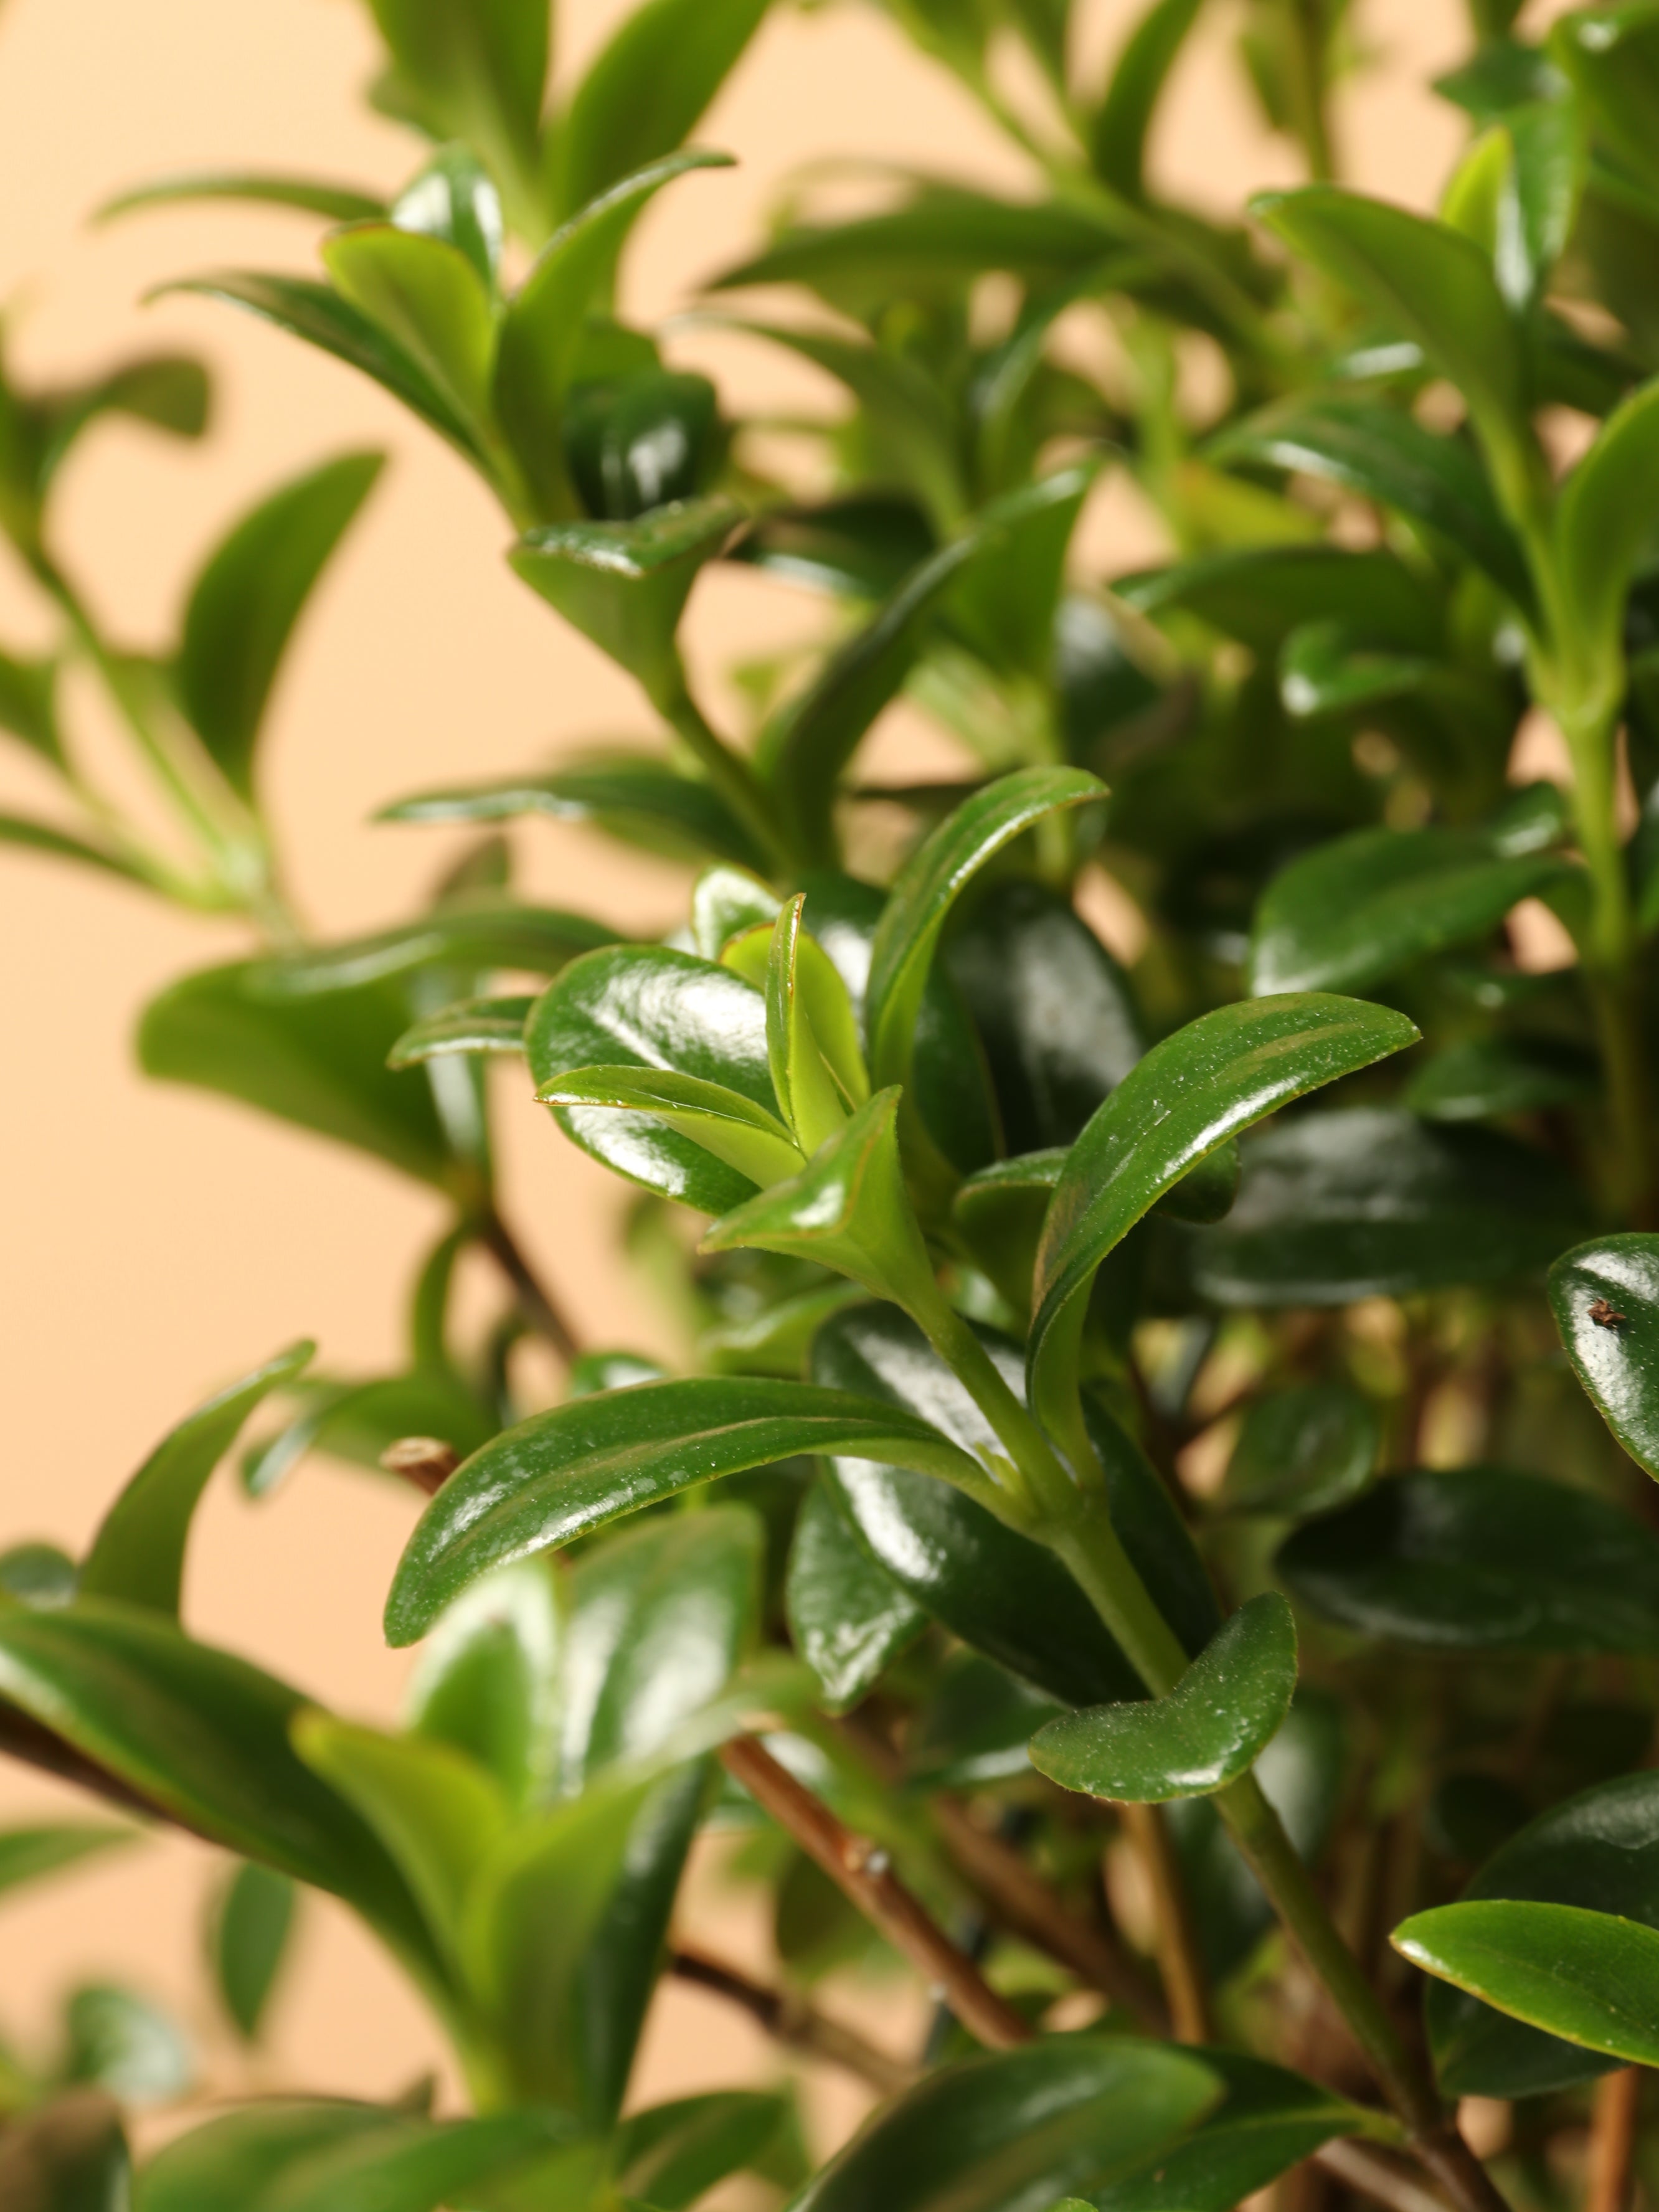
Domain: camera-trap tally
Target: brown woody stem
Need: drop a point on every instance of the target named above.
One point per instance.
(1613, 2140)
(535, 1301)
(793, 2022)
(864, 1873)
(1177, 1944)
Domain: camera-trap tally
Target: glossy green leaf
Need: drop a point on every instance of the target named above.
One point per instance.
(624, 584)
(818, 732)
(671, 2154)
(487, 1681)
(812, 1036)
(1306, 1450)
(454, 199)
(646, 90)
(263, 188)
(1367, 1202)
(1053, 1007)
(999, 1592)
(1188, 1096)
(29, 1855)
(1259, 595)
(1357, 908)
(743, 1136)
(1385, 454)
(999, 1212)
(580, 1465)
(1006, 598)
(1605, 1297)
(1204, 1733)
(651, 1007)
(126, 2044)
(429, 299)
(638, 801)
(1600, 1852)
(636, 442)
(247, 1942)
(1020, 2128)
(1429, 284)
(1480, 1558)
(1269, 2120)
(1588, 1978)
(543, 329)
(290, 2154)
(475, 1026)
(138, 1553)
(37, 1574)
(319, 1061)
(1118, 131)
(246, 599)
(848, 1618)
(317, 313)
(1601, 530)
(69, 2155)
(928, 887)
(861, 546)
(1485, 1077)
(205, 1736)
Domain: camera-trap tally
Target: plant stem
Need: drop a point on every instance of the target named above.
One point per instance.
(793, 2022)
(1307, 55)
(1613, 2140)
(1017, 1896)
(1177, 1945)
(728, 772)
(1371, 2174)
(864, 1873)
(535, 1301)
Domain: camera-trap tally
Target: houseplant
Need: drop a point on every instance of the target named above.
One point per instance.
(1130, 1447)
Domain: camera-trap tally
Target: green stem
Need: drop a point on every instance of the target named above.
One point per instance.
(1307, 53)
(731, 776)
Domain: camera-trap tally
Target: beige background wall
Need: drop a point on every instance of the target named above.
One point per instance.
(156, 1241)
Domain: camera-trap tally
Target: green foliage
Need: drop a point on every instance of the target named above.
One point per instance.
(1059, 1392)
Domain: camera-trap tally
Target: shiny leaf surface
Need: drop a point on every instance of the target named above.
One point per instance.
(1307, 1450)
(848, 1618)
(1605, 1297)
(1588, 1978)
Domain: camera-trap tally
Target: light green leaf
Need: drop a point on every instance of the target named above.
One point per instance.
(1589, 1978)
(428, 298)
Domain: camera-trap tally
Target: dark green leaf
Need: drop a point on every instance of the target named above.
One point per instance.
(138, 1553)
(37, 1575)
(1188, 1096)
(649, 1007)
(1359, 908)
(1429, 284)
(1000, 1212)
(1204, 1733)
(28, 705)
(1117, 134)
(205, 1736)
(1020, 2128)
(247, 1942)
(1605, 1296)
(1270, 2120)
(818, 732)
(861, 546)
(1260, 595)
(1502, 75)
(1599, 1851)
(848, 1618)
(1611, 54)
(645, 91)
(318, 314)
(1005, 600)
(477, 70)
(319, 1061)
(453, 200)
(357, 1422)
(169, 392)
(998, 1591)
(1385, 454)
(290, 2155)
(1480, 1559)
(671, 2154)
(564, 1471)
(976, 1726)
(487, 1680)
(638, 801)
(126, 2045)
(1369, 1203)
(545, 327)
(740, 1135)
(624, 584)
(248, 595)
(1488, 1076)
(1301, 1451)
(1588, 1978)
(310, 195)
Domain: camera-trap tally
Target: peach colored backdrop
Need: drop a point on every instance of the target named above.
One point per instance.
(156, 1241)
